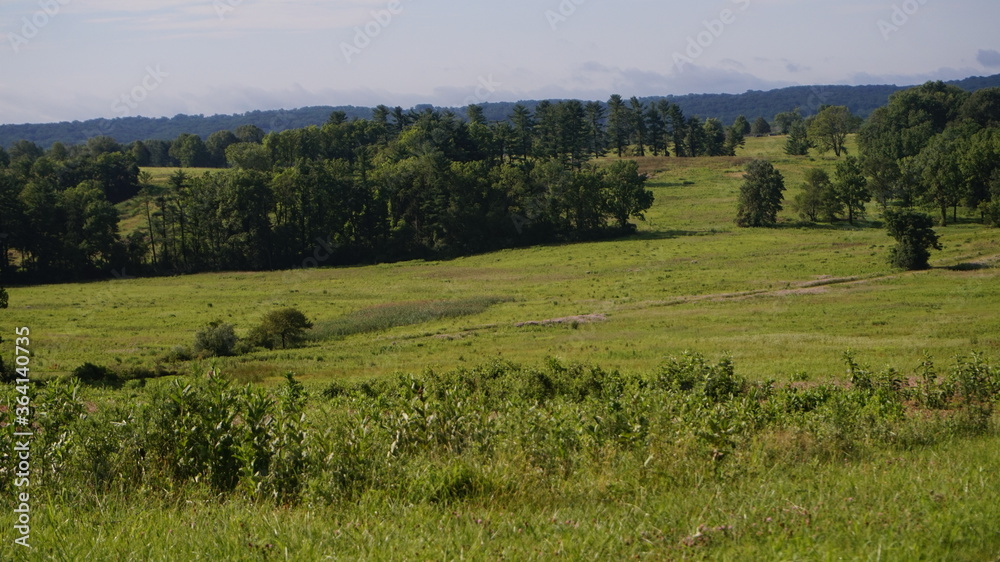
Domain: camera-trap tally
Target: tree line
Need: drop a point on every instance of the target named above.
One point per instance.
(862, 100)
(427, 185)
(933, 146)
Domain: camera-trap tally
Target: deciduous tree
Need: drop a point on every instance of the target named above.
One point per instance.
(761, 195)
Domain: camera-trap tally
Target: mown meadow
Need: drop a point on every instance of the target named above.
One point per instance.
(695, 391)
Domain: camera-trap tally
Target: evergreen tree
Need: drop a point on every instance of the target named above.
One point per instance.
(760, 127)
(798, 143)
(619, 122)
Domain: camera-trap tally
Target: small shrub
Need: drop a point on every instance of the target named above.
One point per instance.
(96, 375)
(177, 354)
(216, 339)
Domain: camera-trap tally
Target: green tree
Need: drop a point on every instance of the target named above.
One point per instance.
(189, 150)
(677, 129)
(798, 142)
(851, 187)
(656, 130)
(286, 326)
(915, 236)
(715, 138)
(625, 193)
(524, 130)
(216, 145)
(761, 195)
(249, 133)
(638, 125)
(829, 129)
(619, 122)
(248, 156)
(937, 168)
(982, 107)
(4, 299)
(786, 119)
(695, 141)
(901, 129)
(817, 200)
(595, 128)
(760, 127)
(741, 125)
(734, 139)
(90, 234)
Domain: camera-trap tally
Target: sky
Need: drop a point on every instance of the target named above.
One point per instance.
(64, 60)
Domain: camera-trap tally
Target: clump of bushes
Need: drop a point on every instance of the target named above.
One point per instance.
(284, 328)
(217, 339)
(96, 375)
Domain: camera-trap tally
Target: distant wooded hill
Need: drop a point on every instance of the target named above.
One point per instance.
(861, 100)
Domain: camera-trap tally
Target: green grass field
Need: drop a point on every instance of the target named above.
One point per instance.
(629, 471)
(781, 301)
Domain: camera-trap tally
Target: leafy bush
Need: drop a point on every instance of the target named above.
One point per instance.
(97, 375)
(216, 339)
(914, 234)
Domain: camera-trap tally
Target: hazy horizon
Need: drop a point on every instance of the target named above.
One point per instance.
(111, 58)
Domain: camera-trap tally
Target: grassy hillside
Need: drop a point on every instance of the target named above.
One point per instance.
(465, 456)
(782, 301)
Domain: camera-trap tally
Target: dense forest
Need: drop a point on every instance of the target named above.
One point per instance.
(414, 185)
(861, 100)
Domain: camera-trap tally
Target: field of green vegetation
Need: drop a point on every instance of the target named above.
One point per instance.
(444, 414)
(783, 302)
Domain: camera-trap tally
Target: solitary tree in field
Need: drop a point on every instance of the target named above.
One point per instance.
(761, 195)
(851, 188)
(914, 234)
(830, 127)
(286, 326)
(798, 143)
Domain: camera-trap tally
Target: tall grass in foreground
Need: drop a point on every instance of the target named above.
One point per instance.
(514, 459)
